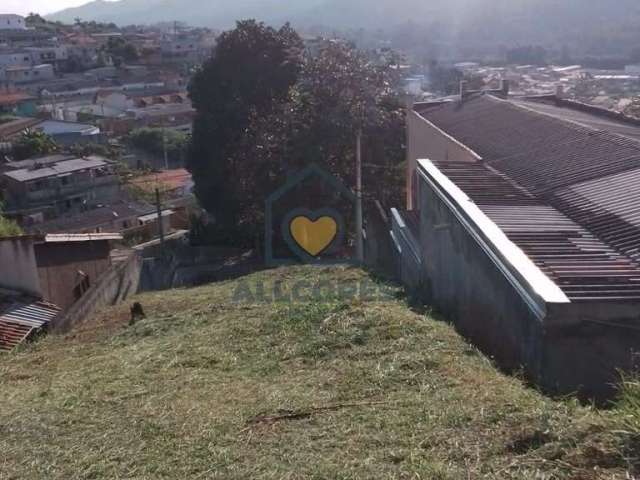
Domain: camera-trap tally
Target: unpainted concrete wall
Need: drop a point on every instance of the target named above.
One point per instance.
(568, 348)
(460, 280)
(60, 264)
(114, 286)
(424, 140)
(18, 270)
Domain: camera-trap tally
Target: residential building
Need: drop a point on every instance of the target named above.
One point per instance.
(522, 228)
(9, 21)
(141, 98)
(136, 221)
(58, 184)
(70, 133)
(179, 45)
(171, 183)
(56, 55)
(29, 74)
(69, 264)
(18, 103)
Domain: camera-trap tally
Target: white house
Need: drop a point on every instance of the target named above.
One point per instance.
(28, 74)
(10, 21)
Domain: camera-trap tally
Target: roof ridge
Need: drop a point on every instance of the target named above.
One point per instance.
(578, 126)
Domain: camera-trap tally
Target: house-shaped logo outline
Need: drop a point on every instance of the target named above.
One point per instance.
(307, 172)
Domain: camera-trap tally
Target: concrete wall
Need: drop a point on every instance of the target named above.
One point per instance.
(510, 310)
(18, 270)
(114, 286)
(463, 282)
(60, 264)
(425, 140)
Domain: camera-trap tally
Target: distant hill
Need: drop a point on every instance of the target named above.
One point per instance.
(607, 25)
(206, 13)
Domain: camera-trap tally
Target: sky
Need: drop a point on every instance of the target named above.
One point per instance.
(23, 7)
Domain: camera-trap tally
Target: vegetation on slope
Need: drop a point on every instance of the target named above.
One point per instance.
(206, 387)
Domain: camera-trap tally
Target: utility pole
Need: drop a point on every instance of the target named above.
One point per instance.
(160, 228)
(164, 146)
(359, 222)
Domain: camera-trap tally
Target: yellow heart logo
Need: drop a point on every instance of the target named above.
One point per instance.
(313, 237)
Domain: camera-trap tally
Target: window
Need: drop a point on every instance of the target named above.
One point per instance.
(82, 285)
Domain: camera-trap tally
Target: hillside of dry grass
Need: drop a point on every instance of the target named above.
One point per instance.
(206, 387)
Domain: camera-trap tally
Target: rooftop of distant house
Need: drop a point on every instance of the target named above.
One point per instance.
(13, 98)
(95, 218)
(168, 179)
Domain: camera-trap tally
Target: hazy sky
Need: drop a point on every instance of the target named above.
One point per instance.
(23, 7)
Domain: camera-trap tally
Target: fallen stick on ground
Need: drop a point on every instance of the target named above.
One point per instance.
(287, 415)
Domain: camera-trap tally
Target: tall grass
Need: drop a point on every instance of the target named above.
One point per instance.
(628, 406)
(9, 228)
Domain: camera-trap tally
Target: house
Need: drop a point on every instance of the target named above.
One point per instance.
(140, 98)
(58, 184)
(13, 58)
(136, 221)
(521, 226)
(9, 21)
(29, 74)
(172, 183)
(17, 103)
(70, 133)
(62, 132)
(56, 55)
(69, 264)
(179, 45)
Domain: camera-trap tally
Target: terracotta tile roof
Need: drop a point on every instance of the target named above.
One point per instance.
(9, 99)
(167, 179)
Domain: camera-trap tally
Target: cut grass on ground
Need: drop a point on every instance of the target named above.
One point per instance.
(336, 389)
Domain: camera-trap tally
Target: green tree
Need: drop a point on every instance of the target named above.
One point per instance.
(249, 76)
(33, 143)
(121, 50)
(342, 92)
(8, 228)
(154, 140)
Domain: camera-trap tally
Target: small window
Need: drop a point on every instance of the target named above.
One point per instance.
(83, 284)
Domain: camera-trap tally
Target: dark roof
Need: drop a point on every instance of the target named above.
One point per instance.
(564, 187)
(92, 219)
(588, 115)
(581, 264)
(540, 151)
(151, 92)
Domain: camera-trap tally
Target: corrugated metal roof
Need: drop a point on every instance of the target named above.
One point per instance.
(65, 166)
(20, 317)
(539, 151)
(582, 265)
(81, 237)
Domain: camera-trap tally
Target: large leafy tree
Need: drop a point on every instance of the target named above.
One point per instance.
(33, 143)
(284, 114)
(249, 75)
(342, 93)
